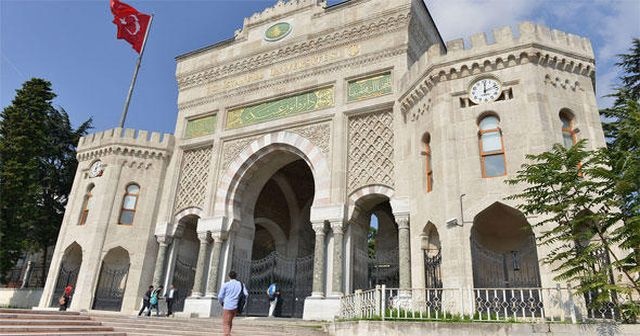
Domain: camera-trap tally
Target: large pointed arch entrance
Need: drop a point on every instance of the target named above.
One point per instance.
(68, 273)
(268, 199)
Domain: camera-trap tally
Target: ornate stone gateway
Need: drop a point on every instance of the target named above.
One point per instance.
(293, 275)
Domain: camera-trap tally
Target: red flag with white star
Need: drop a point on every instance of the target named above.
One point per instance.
(132, 25)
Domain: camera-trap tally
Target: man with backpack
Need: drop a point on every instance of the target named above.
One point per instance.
(232, 297)
(273, 292)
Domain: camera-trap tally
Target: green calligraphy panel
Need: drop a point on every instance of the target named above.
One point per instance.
(281, 108)
(369, 87)
(200, 127)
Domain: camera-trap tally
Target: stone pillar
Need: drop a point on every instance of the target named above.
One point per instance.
(212, 283)
(318, 261)
(200, 266)
(338, 274)
(404, 252)
(158, 273)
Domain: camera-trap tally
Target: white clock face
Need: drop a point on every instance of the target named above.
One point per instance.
(96, 169)
(485, 90)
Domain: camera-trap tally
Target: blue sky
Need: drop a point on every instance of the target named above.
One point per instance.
(73, 45)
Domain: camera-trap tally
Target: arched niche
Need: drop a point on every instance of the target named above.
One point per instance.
(68, 271)
(112, 281)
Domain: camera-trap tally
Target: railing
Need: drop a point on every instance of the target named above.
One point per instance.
(482, 304)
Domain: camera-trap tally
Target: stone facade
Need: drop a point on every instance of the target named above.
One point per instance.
(292, 134)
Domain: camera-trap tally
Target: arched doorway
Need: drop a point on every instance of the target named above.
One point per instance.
(113, 280)
(374, 237)
(503, 249)
(505, 263)
(68, 273)
(431, 251)
(274, 241)
(184, 272)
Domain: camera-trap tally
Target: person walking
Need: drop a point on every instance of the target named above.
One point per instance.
(65, 298)
(154, 301)
(233, 296)
(273, 292)
(171, 295)
(145, 301)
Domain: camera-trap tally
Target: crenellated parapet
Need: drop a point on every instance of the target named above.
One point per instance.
(127, 142)
(281, 8)
(532, 43)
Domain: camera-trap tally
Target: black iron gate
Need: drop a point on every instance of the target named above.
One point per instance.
(111, 286)
(184, 275)
(432, 275)
(384, 268)
(66, 276)
(294, 276)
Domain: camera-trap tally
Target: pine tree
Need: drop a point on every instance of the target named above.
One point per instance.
(37, 165)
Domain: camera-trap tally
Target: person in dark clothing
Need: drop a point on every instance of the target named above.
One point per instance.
(145, 302)
(171, 296)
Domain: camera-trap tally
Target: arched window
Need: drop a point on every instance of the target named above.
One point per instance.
(491, 147)
(568, 132)
(86, 205)
(129, 203)
(426, 140)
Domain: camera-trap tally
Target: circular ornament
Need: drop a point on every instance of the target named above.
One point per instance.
(96, 169)
(485, 90)
(277, 32)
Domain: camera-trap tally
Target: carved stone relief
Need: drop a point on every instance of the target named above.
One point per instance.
(370, 150)
(194, 172)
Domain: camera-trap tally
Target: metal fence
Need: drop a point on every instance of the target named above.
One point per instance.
(559, 304)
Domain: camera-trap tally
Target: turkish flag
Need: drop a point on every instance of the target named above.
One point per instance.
(132, 25)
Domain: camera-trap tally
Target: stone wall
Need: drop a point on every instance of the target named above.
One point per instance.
(379, 328)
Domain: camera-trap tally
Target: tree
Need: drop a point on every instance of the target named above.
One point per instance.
(37, 165)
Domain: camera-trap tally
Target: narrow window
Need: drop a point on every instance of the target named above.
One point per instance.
(129, 203)
(426, 140)
(86, 205)
(569, 137)
(491, 147)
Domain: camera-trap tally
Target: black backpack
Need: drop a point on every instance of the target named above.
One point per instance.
(242, 299)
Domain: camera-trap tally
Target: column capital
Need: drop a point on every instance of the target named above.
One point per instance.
(319, 227)
(164, 239)
(219, 235)
(338, 227)
(204, 237)
(403, 221)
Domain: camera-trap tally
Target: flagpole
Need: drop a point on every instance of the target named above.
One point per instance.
(135, 75)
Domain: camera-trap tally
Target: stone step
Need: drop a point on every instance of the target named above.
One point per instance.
(30, 316)
(35, 311)
(50, 329)
(48, 322)
(66, 333)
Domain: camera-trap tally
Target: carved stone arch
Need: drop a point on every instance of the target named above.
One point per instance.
(112, 280)
(68, 271)
(279, 236)
(430, 245)
(228, 197)
(367, 192)
(187, 212)
(430, 240)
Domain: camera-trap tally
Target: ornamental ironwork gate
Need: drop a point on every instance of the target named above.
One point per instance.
(65, 277)
(294, 276)
(432, 270)
(384, 268)
(111, 286)
(184, 275)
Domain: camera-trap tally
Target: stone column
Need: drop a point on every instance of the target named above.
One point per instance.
(212, 283)
(200, 266)
(318, 261)
(158, 273)
(404, 252)
(338, 274)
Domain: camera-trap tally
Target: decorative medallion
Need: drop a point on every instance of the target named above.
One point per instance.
(277, 32)
(96, 169)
